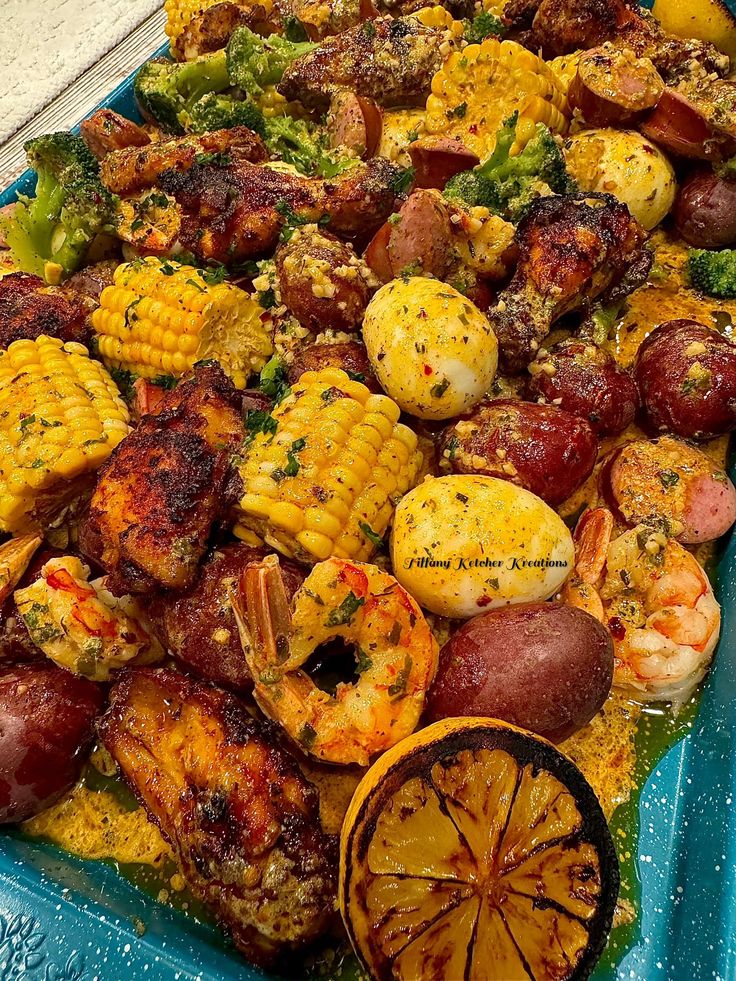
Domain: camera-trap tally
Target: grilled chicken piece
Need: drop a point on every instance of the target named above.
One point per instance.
(29, 308)
(242, 819)
(560, 27)
(211, 28)
(126, 171)
(389, 61)
(198, 627)
(161, 490)
(237, 212)
(322, 18)
(571, 250)
(106, 130)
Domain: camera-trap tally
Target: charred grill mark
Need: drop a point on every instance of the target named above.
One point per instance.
(389, 60)
(160, 492)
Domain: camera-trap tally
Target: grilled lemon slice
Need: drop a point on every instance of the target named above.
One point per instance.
(475, 850)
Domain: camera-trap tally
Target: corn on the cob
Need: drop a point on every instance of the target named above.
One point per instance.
(565, 68)
(160, 317)
(61, 416)
(441, 19)
(322, 475)
(478, 88)
(272, 103)
(180, 13)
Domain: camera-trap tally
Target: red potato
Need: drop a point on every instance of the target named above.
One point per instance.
(435, 161)
(705, 210)
(354, 122)
(546, 667)
(613, 87)
(686, 375)
(677, 125)
(106, 130)
(351, 356)
(670, 483)
(46, 720)
(548, 451)
(585, 380)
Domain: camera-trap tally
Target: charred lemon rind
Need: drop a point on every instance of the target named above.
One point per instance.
(443, 743)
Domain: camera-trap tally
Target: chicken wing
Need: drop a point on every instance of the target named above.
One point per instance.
(162, 489)
(210, 28)
(389, 60)
(127, 171)
(29, 308)
(558, 27)
(237, 212)
(199, 627)
(242, 820)
(571, 250)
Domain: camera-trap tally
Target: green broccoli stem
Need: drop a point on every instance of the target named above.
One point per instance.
(254, 62)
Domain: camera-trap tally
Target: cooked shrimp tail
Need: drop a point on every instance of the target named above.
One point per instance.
(656, 600)
(396, 655)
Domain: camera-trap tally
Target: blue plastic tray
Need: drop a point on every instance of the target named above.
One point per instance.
(64, 919)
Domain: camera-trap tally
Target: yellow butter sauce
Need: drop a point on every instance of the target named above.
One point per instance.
(666, 297)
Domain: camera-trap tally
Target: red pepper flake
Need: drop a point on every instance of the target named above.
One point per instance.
(617, 628)
(428, 370)
(483, 601)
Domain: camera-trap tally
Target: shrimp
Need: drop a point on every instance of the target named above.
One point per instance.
(395, 652)
(80, 625)
(15, 556)
(655, 599)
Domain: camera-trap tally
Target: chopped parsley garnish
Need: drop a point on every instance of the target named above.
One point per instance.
(292, 465)
(258, 421)
(214, 275)
(212, 159)
(402, 182)
(165, 381)
(668, 478)
(362, 661)
(398, 688)
(345, 611)
(370, 534)
(438, 390)
(273, 381)
(307, 735)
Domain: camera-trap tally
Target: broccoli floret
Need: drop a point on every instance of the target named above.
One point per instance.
(215, 111)
(482, 26)
(294, 141)
(166, 91)
(713, 273)
(506, 185)
(727, 169)
(254, 62)
(69, 208)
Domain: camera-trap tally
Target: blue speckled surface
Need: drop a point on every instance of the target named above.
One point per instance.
(64, 919)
